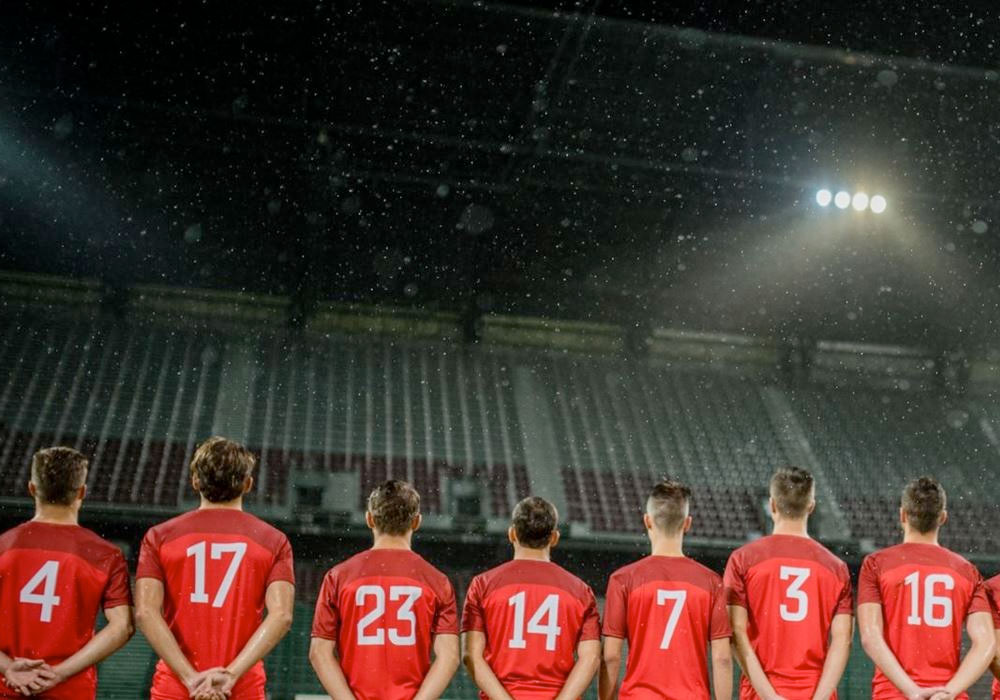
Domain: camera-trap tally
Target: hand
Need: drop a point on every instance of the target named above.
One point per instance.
(930, 694)
(49, 680)
(28, 676)
(215, 684)
(943, 695)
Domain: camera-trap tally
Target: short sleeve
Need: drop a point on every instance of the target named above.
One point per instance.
(616, 609)
(117, 592)
(283, 568)
(591, 624)
(150, 565)
(979, 601)
(845, 603)
(993, 594)
(473, 618)
(326, 618)
(446, 614)
(719, 627)
(733, 581)
(869, 590)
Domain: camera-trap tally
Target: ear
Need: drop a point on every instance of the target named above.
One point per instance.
(772, 507)
(812, 507)
(81, 493)
(32, 491)
(511, 535)
(417, 521)
(943, 518)
(647, 521)
(687, 524)
(902, 516)
(554, 538)
(247, 485)
(369, 520)
(195, 483)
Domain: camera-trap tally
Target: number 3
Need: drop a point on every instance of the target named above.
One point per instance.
(795, 592)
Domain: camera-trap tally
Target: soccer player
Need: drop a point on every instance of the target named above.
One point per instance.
(789, 602)
(204, 580)
(912, 601)
(993, 593)
(382, 613)
(671, 610)
(525, 621)
(54, 577)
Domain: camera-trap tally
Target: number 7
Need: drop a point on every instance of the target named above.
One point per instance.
(675, 614)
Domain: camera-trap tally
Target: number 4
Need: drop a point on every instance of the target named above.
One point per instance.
(48, 599)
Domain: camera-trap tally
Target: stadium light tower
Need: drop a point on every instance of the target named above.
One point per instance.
(878, 204)
(824, 197)
(842, 200)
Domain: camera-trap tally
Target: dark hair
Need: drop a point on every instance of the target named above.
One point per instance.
(668, 505)
(923, 502)
(534, 521)
(222, 467)
(58, 473)
(792, 491)
(393, 505)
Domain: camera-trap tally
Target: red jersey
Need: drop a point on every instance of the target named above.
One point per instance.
(993, 594)
(791, 587)
(382, 608)
(53, 581)
(215, 565)
(534, 614)
(669, 609)
(926, 593)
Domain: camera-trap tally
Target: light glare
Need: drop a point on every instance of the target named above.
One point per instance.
(878, 204)
(824, 197)
(860, 201)
(842, 200)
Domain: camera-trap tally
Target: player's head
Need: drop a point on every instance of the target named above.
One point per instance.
(393, 509)
(222, 470)
(793, 494)
(668, 509)
(534, 524)
(924, 506)
(58, 476)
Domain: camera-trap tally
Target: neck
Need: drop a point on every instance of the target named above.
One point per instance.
(667, 545)
(235, 504)
(787, 526)
(543, 554)
(59, 515)
(392, 541)
(912, 536)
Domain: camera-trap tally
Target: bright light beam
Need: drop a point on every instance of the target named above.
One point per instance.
(860, 201)
(878, 204)
(824, 197)
(842, 200)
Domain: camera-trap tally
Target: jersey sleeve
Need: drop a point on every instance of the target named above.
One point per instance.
(591, 627)
(117, 592)
(719, 627)
(326, 618)
(979, 601)
(446, 614)
(473, 619)
(993, 594)
(868, 585)
(845, 603)
(149, 558)
(734, 583)
(283, 568)
(616, 609)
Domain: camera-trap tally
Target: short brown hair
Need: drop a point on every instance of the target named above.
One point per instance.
(534, 521)
(58, 473)
(923, 502)
(222, 467)
(393, 505)
(792, 491)
(668, 504)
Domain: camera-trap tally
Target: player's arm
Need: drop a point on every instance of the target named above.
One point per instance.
(102, 645)
(722, 668)
(588, 660)
(747, 657)
(326, 664)
(874, 644)
(611, 664)
(982, 651)
(841, 633)
(995, 663)
(446, 660)
(474, 643)
(149, 619)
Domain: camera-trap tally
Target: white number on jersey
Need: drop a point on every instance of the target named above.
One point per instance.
(795, 592)
(938, 609)
(678, 597)
(549, 609)
(237, 549)
(404, 614)
(45, 578)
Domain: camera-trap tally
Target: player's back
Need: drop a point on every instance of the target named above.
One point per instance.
(215, 565)
(669, 609)
(382, 608)
(992, 586)
(926, 593)
(53, 581)
(534, 614)
(791, 587)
